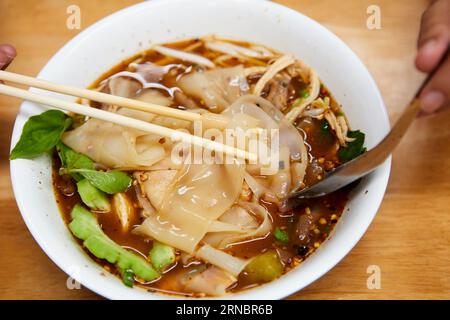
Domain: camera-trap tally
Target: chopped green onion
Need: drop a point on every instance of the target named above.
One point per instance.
(304, 93)
(281, 235)
(128, 278)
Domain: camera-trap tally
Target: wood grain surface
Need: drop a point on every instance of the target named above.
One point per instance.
(410, 237)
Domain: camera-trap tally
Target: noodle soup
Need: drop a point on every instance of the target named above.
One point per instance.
(203, 229)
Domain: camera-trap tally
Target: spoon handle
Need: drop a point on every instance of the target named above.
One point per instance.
(370, 160)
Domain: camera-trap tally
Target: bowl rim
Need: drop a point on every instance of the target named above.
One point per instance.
(382, 172)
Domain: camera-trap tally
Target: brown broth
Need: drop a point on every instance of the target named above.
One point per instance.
(322, 213)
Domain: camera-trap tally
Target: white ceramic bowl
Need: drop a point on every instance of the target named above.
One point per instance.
(133, 29)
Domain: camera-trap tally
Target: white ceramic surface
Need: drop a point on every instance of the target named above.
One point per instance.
(133, 29)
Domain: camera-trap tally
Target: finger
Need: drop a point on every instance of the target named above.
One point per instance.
(436, 93)
(7, 54)
(434, 35)
(430, 54)
(423, 114)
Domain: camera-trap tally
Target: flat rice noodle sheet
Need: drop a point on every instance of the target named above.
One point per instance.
(250, 221)
(217, 88)
(146, 95)
(157, 184)
(115, 146)
(221, 259)
(269, 118)
(119, 147)
(291, 144)
(199, 194)
(156, 97)
(123, 87)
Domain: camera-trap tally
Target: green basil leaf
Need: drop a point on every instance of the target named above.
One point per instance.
(71, 159)
(354, 148)
(110, 181)
(40, 134)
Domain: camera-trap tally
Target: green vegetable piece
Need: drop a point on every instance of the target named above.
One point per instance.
(128, 278)
(84, 225)
(110, 181)
(353, 148)
(264, 268)
(161, 255)
(93, 197)
(80, 166)
(281, 235)
(71, 159)
(40, 134)
(304, 93)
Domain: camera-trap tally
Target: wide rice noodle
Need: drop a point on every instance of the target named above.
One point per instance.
(252, 219)
(114, 146)
(199, 195)
(236, 50)
(185, 56)
(222, 259)
(218, 88)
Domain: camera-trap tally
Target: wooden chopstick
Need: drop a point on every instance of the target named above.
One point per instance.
(209, 119)
(127, 122)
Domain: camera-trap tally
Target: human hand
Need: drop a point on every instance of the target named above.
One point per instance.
(433, 43)
(7, 54)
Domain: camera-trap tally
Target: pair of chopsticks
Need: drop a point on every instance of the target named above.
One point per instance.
(210, 119)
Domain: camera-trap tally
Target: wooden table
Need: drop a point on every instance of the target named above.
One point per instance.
(410, 237)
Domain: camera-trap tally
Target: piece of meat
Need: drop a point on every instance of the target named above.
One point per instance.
(298, 69)
(66, 185)
(278, 91)
(302, 229)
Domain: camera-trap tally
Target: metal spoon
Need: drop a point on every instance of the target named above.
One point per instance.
(368, 161)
